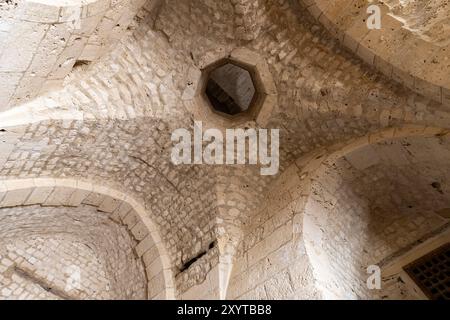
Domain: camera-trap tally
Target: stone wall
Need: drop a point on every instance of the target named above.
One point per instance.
(111, 123)
(43, 40)
(326, 222)
(67, 253)
(369, 206)
(115, 206)
(271, 261)
(429, 19)
(411, 46)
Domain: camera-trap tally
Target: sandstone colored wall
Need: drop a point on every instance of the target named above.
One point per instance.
(41, 41)
(111, 123)
(44, 250)
(146, 245)
(271, 261)
(411, 47)
(326, 222)
(370, 206)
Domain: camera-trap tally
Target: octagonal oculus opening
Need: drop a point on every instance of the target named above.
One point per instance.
(230, 89)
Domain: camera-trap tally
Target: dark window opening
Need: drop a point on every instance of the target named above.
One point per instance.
(432, 273)
(230, 89)
(81, 63)
(191, 261)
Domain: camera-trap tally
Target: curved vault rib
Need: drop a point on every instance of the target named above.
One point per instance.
(401, 54)
(122, 207)
(326, 175)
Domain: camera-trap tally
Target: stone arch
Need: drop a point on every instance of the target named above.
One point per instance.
(401, 47)
(315, 224)
(121, 207)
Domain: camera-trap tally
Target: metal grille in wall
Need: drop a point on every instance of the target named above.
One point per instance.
(432, 273)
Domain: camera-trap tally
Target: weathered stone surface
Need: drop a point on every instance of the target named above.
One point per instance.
(88, 102)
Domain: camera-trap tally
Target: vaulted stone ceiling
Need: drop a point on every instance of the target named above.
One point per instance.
(110, 119)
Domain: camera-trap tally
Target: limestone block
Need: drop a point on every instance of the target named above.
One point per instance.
(429, 89)
(84, 185)
(154, 269)
(144, 245)
(315, 11)
(267, 110)
(240, 265)
(246, 56)
(366, 54)
(15, 197)
(269, 86)
(22, 45)
(283, 216)
(39, 12)
(5, 150)
(16, 184)
(8, 84)
(279, 287)
(51, 46)
(330, 25)
(363, 159)
(408, 130)
(109, 204)
(87, 26)
(44, 182)
(384, 66)
(94, 199)
(123, 209)
(239, 286)
(29, 86)
(102, 31)
(168, 277)
(69, 183)
(350, 42)
(257, 293)
(270, 244)
(97, 7)
(438, 75)
(160, 296)
(3, 190)
(139, 231)
(193, 81)
(70, 14)
(59, 197)
(90, 53)
(197, 292)
(150, 5)
(155, 236)
(403, 77)
(334, 10)
(150, 255)
(78, 197)
(211, 58)
(67, 58)
(39, 195)
(165, 258)
(131, 219)
(156, 285)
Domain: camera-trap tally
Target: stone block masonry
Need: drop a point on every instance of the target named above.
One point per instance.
(91, 205)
